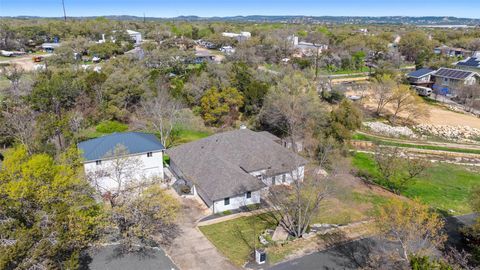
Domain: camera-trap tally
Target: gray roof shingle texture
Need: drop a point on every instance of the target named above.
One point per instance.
(135, 142)
(220, 164)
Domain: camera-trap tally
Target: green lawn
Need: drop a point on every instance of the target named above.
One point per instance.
(445, 187)
(363, 137)
(234, 238)
(346, 71)
(188, 135)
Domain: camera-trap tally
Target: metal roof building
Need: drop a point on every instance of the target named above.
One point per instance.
(420, 73)
(135, 142)
(471, 62)
(455, 74)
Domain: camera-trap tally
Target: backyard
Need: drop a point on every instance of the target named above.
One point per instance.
(445, 187)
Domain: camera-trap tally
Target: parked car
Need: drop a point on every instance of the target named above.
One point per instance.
(423, 91)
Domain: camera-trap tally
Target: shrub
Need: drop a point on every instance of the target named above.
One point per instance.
(111, 127)
(228, 212)
(185, 189)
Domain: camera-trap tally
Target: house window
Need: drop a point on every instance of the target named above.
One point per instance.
(149, 154)
(248, 194)
(98, 162)
(226, 201)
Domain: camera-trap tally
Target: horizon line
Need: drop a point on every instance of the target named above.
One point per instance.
(252, 15)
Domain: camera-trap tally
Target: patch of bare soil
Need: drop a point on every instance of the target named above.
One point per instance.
(437, 114)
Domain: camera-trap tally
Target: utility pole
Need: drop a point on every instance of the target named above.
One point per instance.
(144, 18)
(64, 12)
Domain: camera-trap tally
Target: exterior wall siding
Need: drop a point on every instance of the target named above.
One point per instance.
(236, 202)
(148, 167)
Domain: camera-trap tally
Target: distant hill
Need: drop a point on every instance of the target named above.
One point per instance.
(429, 20)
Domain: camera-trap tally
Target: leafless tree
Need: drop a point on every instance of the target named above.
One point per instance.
(398, 168)
(160, 113)
(405, 100)
(20, 123)
(297, 204)
(319, 40)
(293, 109)
(14, 73)
(119, 168)
(382, 91)
(469, 95)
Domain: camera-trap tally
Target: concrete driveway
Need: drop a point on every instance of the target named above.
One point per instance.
(191, 250)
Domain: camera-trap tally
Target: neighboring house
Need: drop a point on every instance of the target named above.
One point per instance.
(228, 50)
(306, 48)
(447, 79)
(230, 170)
(452, 52)
(142, 158)
(50, 47)
(421, 77)
(240, 37)
(202, 56)
(135, 36)
(471, 63)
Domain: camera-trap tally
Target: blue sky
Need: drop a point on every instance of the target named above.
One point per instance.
(207, 8)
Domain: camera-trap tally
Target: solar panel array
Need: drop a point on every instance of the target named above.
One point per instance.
(419, 73)
(471, 62)
(453, 73)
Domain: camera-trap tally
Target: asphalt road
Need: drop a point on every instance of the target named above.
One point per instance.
(351, 255)
(111, 258)
(354, 254)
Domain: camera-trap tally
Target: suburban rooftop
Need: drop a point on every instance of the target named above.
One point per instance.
(135, 143)
(212, 163)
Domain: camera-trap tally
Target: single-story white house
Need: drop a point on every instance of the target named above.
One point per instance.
(230, 170)
(141, 157)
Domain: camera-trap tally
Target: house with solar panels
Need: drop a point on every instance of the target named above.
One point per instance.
(141, 158)
(446, 80)
(471, 63)
(421, 77)
(452, 52)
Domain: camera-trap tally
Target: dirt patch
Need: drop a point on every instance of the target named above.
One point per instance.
(440, 116)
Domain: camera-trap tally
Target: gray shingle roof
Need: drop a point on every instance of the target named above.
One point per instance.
(135, 142)
(220, 164)
(420, 73)
(453, 73)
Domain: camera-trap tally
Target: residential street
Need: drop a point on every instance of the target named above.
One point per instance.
(353, 255)
(110, 257)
